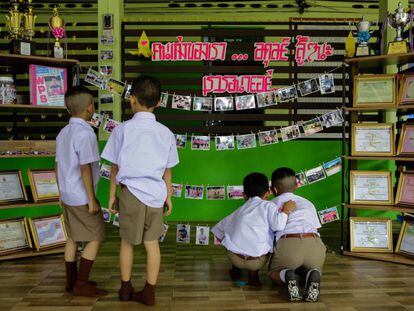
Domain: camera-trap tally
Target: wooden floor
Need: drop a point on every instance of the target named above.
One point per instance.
(195, 278)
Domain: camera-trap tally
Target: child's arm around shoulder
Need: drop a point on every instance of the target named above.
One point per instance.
(278, 214)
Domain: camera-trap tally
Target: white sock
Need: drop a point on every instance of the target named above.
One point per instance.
(283, 274)
(309, 272)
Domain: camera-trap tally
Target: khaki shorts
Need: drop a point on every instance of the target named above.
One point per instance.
(248, 264)
(138, 222)
(82, 226)
(292, 253)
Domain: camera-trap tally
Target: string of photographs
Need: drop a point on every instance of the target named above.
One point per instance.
(235, 192)
(323, 84)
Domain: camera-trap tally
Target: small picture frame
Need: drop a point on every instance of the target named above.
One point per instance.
(245, 102)
(371, 187)
(181, 140)
(246, 141)
(202, 104)
(44, 185)
(267, 138)
(332, 167)
(200, 142)
(406, 142)
(290, 132)
(225, 143)
(328, 215)
(202, 235)
(332, 118)
(375, 90)
(372, 139)
(181, 102)
(406, 94)
(266, 99)
(326, 83)
(314, 175)
(12, 188)
(177, 190)
(107, 21)
(195, 192)
(235, 193)
(14, 236)
(312, 126)
(405, 244)
(308, 87)
(215, 192)
(405, 189)
(183, 233)
(287, 93)
(371, 235)
(48, 232)
(107, 55)
(223, 104)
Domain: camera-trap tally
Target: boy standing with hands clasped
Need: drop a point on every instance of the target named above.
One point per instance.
(77, 170)
(142, 152)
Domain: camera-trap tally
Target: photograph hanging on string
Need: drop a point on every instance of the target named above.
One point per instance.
(114, 86)
(163, 100)
(107, 114)
(127, 94)
(183, 233)
(326, 83)
(202, 104)
(312, 126)
(266, 99)
(95, 78)
(96, 120)
(225, 142)
(164, 232)
(287, 93)
(200, 142)
(107, 55)
(106, 99)
(194, 192)
(110, 125)
(246, 141)
(105, 171)
(308, 87)
(235, 192)
(115, 222)
(290, 132)
(245, 102)
(202, 235)
(328, 215)
(177, 190)
(215, 192)
(223, 103)
(316, 174)
(181, 102)
(181, 140)
(332, 118)
(106, 214)
(301, 179)
(106, 70)
(268, 138)
(107, 37)
(332, 167)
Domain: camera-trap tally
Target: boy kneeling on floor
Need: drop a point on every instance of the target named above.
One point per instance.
(248, 232)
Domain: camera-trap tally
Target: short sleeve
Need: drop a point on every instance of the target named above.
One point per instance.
(113, 146)
(173, 155)
(218, 229)
(276, 218)
(86, 147)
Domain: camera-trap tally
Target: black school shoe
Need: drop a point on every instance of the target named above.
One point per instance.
(312, 287)
(292, 285)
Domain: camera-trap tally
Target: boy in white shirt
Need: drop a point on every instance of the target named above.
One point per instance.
(298, 244)
(248, 232)
(77, 169)
(142, 152)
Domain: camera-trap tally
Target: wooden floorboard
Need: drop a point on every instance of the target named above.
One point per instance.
(196, 278)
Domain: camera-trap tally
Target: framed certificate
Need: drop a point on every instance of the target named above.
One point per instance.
(14, 236)
(406, 95)
(371, 235)
(405, 244)
(406, 143)
(11, 187)
(375, 90)
(48, 232)
(44, 185)
(405, 189)
(371, 187)
(372, 139)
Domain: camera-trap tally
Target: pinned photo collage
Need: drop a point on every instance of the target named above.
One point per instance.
(102, 80)
(183, 234)
(319, 173)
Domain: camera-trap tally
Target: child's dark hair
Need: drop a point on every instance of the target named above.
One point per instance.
(77, 99)
(284, 179)
(147, 90)
(255, 185)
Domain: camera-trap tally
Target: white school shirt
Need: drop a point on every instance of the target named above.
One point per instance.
(250, 229)
(303, 219)
(143, 149)
(76, 145)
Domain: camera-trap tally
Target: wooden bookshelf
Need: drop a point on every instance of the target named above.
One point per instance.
(391, 158)
(14, 59)
(386, 208)
(376, 108)
(381, 60)
(32, 253)
(32, 108)
(395, 258)
(31, 204)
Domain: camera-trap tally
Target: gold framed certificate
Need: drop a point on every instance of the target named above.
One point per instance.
(406, 94)
(371, 187)
(371, 235)
(405, 244)
(372, 139)
(14, 236)
(375, 90)
(44, 185)
(12, 187)
(405, 189)
(406, 142)
(48, 232)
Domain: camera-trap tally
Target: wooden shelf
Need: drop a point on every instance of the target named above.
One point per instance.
(387, 208)
(395, 258)
(14, 59)
(18, 156)
(32, 108)
(392, 158)
(27, 146)
(32, 253)
(401, 107)
(32, 204)
(381, 60)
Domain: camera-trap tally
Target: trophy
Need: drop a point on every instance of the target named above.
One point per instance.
(29, 27)
(363, 36)
(56, 25)
(398, 20)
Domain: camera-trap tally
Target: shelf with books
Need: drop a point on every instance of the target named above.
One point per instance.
(395, 258)
(32, 204)
(387, 208)
(23, 60)
(32, 253)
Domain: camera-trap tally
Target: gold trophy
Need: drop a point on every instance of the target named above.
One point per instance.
(57, 26)
(29, 22)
